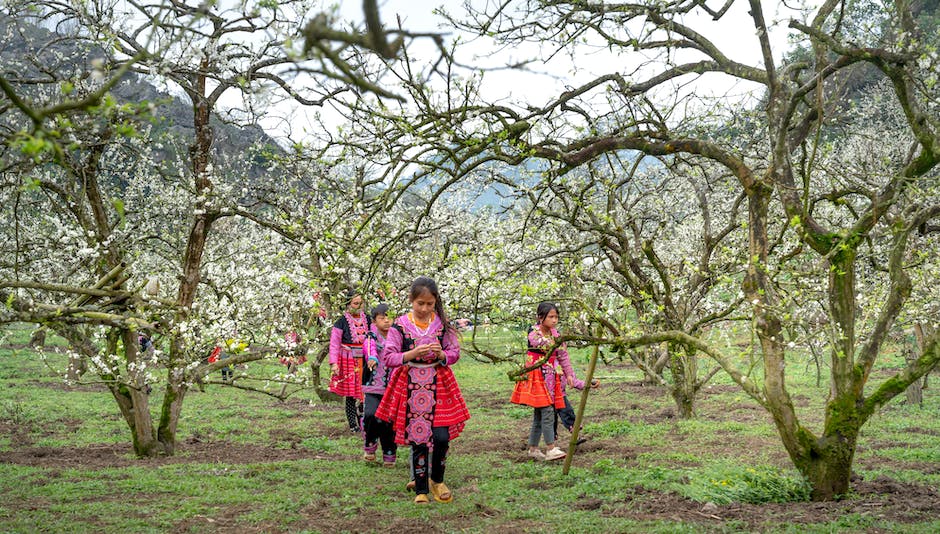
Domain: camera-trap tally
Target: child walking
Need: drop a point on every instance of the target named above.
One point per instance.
(423, 401)
(346, 339)
(374, 382)
(543, 389)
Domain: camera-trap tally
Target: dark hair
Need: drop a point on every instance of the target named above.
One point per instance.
(381, 309)
(422, 284)
(349, 294)
(543, 310)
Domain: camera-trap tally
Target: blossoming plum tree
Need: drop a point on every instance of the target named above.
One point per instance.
(115, 211)
(644, 101)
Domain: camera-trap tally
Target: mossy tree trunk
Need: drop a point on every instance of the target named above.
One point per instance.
(134, 401)
(915, 392)
(179, 357)
(826, 460)
(684, 369)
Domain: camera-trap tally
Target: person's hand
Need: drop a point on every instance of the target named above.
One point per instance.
(422, 352)
(438, 351)
(570, 381)
(334, 368)
(372, 363)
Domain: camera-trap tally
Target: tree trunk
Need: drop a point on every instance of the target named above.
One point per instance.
(324, 394)
(830, 473)
(684, 369)
(291, 369)
(200, 153)
(172, 399)
(685, 403)
(813, 457)
(826, 462)
(77, 367)
(129, 392)
(133, 401)
(145, 443)
(170, 414)
(37, 340)
(657, 358)
(137, 416)
(915, 392)
(83, 349)
(911, 349)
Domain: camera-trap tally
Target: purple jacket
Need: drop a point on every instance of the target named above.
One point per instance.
(372, 349)
(404, 335)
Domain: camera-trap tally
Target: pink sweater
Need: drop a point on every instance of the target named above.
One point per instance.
(540, 343)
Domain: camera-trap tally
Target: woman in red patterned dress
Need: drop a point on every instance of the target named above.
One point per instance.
(346, 339)
(423, 401)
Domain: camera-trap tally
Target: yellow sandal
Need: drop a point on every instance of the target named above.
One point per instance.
(422, 498)
(441, 492)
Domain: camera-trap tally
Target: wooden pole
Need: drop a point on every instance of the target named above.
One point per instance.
(573, 444)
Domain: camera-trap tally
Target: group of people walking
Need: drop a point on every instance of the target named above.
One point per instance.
(399, 389)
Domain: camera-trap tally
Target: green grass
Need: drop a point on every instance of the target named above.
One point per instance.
(291, 466)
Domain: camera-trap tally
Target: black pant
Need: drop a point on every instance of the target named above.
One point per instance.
(419, 459)
(566, 415)
(376, 429)
(353, 413)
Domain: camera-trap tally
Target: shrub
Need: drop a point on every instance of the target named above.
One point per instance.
(723, 484)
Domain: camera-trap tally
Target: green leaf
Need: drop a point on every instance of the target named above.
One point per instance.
(31, 184)
(33, 146)
(118, 205)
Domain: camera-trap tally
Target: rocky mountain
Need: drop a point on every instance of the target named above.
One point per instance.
(37, 61)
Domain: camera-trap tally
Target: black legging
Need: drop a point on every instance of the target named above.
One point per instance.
(353, 412)
(566, 415)
(419, 459)
(377, 430)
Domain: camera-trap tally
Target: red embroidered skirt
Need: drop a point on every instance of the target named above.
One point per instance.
(420, 398)
(534, 390)
(348, 381)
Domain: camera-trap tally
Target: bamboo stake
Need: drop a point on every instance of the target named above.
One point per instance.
(110, 275)
(573, 444)
(120, 282)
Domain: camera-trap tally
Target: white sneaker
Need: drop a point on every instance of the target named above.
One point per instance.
(537, 454)
(555, 454)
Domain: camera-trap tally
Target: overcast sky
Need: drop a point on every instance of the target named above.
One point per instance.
(734, 35)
